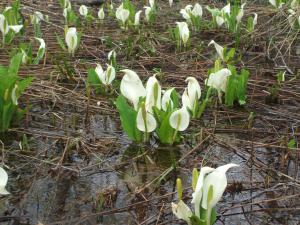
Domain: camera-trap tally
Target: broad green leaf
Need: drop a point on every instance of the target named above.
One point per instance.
(165, 132)
(15, 64)
(128, 119)
(94, 80)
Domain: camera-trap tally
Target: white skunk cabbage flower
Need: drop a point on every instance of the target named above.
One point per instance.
(226, 9)
(186, 12)
(197, 10)
(42, 48)
(15, 28)
(148, 11)
(182, 211)
(240, 14)
(152, 3)
(112, 55)
(170, 3)
(255, 19)
(67, 4)
(218, 181)
(180, 119)
(132, 87)
(274, 3)
(218, 80)
(197, 195)
(37, 17)
(145, 121)
(3, 25)
(42, 43)
(166, 99)
(14, 96)
(101, 14)
(72, 39)
(122, 14)
(219, 49)
(25, 57)
(220, 21)
(65, 13)
(106, 77)
(183, 31)
(191, 94)
(3, 182)
(137, 18)
(153, 94)
(83, 10)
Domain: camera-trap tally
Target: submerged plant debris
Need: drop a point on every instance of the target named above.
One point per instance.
(69, 161)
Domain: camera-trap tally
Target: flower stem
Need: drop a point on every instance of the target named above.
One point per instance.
(208, 215)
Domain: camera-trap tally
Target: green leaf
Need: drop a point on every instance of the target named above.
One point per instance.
(165, 132)
(39, 56)
(15, 64)
(213, 216)
(128, 119)
(61, 42)
(292, 144)
(196, 221)
(94, 80)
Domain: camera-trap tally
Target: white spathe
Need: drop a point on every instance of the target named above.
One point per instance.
(152, 3)
(67, 4)
(132, 87)
(226, 9)
(180, 119)
(182, 211)
(170, 3)
(191, 94)
(3, 25)
(166, 99)
(148, 11)
(183, 31)
(218, 80)
(112, 55)
(197, 195)
(42, 43)
(101, 14)
(217, 179)
(122, 14)
(37, 17)
(137, 18)
(255, 20)
(145, 121)
(15, 28)
(106, 77)
(274, 3)
(240, 14)
(65, 13)
(197, 10)
(219, 49)
(14, 95)
(71, 39)
(153, 94)
(110, 74)
(83, 10)
(3, 182)
(186, 12)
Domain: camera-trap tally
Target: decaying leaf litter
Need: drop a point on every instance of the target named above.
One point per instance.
(70, 163)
